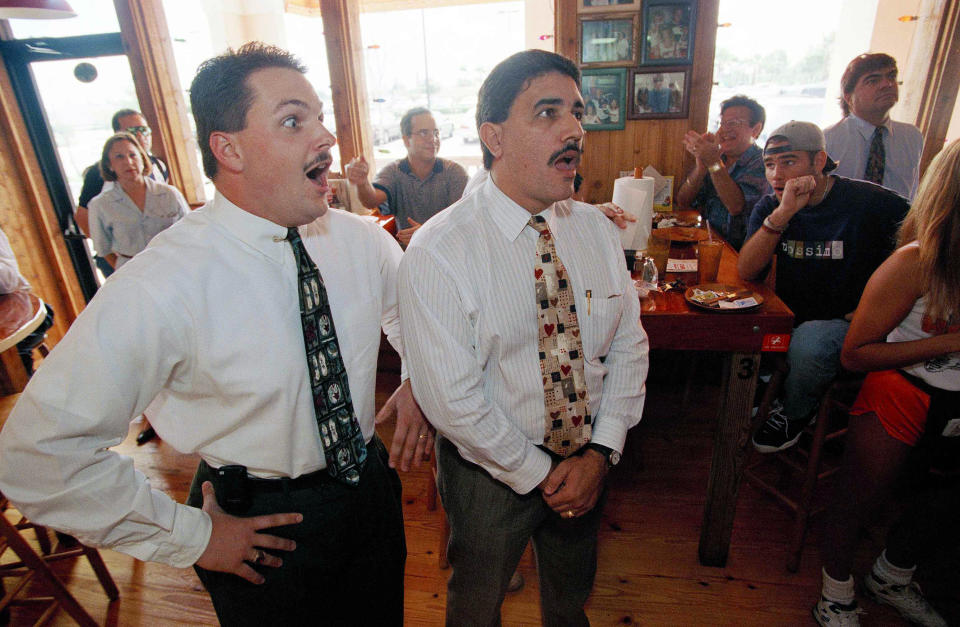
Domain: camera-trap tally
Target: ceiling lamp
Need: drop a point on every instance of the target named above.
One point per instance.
(35, 9)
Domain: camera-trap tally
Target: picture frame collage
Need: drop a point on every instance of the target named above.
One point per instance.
(635, 58)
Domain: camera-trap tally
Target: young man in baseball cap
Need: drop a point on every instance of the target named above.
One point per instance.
(828, 234)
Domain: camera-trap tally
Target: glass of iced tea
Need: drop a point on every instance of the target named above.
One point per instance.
(709, 252)
(658, 247)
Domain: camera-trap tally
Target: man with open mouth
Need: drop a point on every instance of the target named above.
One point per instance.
(253, 325)
(525, 350)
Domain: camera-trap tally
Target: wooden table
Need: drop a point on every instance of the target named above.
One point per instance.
(672, 324)
(20, 314)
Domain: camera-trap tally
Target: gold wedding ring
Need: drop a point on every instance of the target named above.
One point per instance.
(423, 435)
(258, 558)
(570, 513)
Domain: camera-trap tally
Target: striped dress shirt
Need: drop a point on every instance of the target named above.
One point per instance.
(469, 322)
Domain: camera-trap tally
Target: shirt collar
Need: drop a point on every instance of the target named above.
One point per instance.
(509, 217)
(866, 128)
(404, 166)
(268, 238)
(748, 154)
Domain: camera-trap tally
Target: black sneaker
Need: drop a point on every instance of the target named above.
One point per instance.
(778, 432)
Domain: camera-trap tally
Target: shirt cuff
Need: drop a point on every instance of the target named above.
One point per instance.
(186, 543)
(609, 433)
(531, 473)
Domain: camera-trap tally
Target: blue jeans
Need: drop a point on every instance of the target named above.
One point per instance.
(814, 358)
(490, 526)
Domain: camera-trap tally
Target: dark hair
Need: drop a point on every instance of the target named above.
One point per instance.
(220, 97)
(510, 77)
(406, 122)
(105, 171)
(122, 113)
(757, 112)
(857, 68)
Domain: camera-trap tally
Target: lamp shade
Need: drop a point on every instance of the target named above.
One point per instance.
(35, 9)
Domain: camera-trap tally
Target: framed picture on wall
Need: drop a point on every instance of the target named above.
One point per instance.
(608, 40)
(605, 99)
(668, 30)
(659, 93)
(596, 6)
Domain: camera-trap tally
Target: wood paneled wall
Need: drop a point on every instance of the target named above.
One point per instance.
(28, 218)
(644, 142)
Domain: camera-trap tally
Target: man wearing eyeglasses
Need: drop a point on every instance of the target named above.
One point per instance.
(727, 179)
(867, 144)
(134, 123)
(417, 187)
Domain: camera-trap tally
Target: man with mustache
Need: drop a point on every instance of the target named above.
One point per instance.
(866, 143)
(525, 350)
(253, 327)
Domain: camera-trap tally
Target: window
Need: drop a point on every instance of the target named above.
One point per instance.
(429, 58)
(793, 72)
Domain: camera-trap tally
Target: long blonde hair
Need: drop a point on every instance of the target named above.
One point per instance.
(934, 222)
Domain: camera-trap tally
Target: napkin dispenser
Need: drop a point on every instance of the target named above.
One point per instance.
(635, 196)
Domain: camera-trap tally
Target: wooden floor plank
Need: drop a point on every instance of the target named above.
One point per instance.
(648, 571)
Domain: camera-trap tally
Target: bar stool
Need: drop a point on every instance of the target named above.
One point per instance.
(32, 566)
(804, 459)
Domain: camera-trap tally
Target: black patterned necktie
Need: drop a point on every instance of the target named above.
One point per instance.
(876, 159)
(567, 422)
(340, 433)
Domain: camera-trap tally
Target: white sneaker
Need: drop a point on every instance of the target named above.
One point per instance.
(832, 614)
(908, 600)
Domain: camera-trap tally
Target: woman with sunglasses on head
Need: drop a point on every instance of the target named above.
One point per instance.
(906, 334)
(727, 179)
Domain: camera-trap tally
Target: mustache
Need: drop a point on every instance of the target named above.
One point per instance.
(574, 146)
(323, 157)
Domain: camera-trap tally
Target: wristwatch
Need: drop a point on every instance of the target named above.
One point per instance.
(715, 167)
(612, 456)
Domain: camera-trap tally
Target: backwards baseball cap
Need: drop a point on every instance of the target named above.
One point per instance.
(799, 137)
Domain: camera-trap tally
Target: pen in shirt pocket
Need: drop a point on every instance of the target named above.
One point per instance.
(589, 294)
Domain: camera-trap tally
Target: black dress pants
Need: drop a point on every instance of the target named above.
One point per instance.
(348, 566)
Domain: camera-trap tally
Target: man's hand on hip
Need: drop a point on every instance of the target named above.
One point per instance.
(235, 541)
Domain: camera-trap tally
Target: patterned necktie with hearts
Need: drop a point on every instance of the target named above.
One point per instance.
(876, 158)
(343, 445)
(567, 418)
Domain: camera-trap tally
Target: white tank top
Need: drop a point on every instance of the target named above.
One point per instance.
(942, 371)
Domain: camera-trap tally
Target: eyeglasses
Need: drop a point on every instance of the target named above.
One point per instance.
(139, 130)
(426, 132)
(733, 123)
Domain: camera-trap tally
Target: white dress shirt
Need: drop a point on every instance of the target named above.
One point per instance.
(468, 312)
(10, 278)
(118, 226)
(206, 321)
(848, 143)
